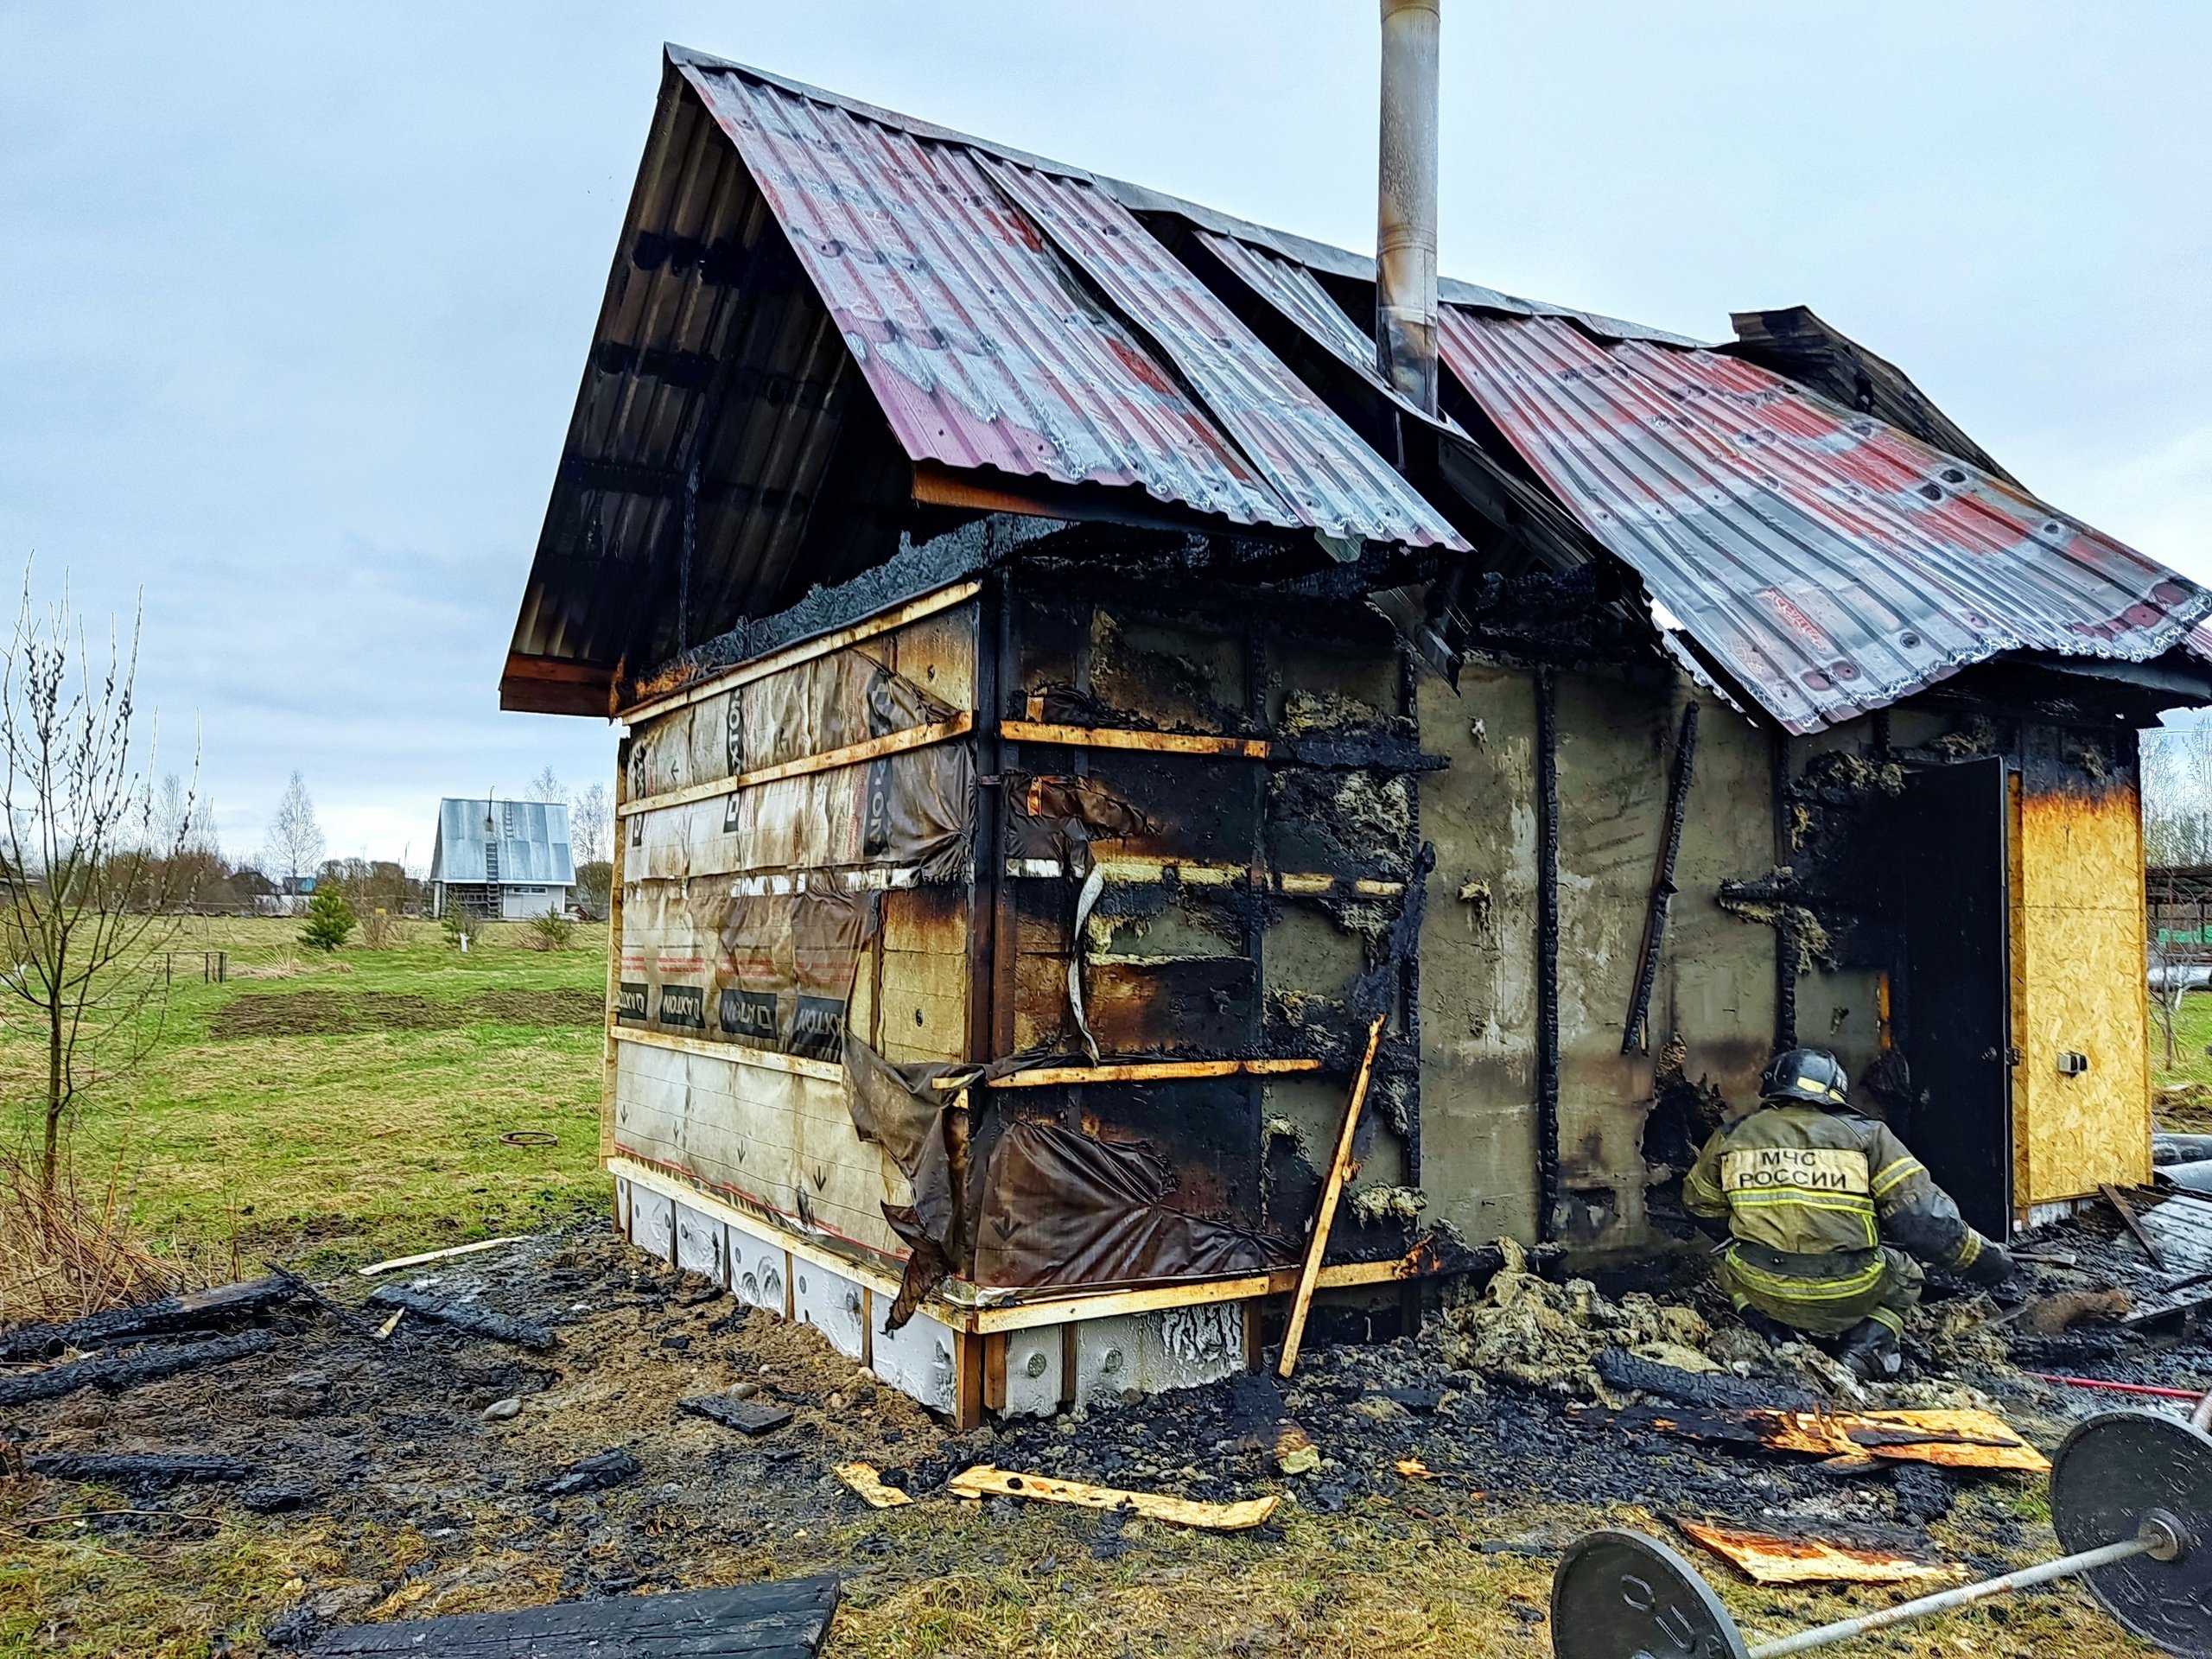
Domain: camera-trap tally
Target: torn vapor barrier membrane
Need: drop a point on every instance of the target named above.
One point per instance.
(1061, 1207)
(1051, 1207)
(810, 708)
(901, 1108)
(766, 970)
(1056, 819)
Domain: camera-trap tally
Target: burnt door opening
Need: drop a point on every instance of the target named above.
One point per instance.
(1953, 992)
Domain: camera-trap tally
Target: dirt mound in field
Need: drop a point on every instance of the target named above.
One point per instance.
(321, 1013)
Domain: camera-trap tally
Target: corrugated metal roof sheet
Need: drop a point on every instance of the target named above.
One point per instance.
(1338, 485)
(978, 349)
(532, 837)
(1294, 291)
(1827, 562)
(985, 350)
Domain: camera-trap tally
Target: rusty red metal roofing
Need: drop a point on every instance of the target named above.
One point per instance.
(1829, 562)
(1339, 486)
(985, 351)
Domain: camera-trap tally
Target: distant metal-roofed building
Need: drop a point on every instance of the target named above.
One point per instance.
(508, 860)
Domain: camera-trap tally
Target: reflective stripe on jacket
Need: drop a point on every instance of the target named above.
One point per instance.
(1819, 1185)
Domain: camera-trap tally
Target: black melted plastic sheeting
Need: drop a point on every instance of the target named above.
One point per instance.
(1064, 1208)
(900, 1108)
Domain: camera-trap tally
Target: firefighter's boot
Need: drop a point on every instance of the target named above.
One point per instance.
(1870, 1348)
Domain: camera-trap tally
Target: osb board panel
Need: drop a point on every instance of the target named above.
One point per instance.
(1715, 983)
(786, 1143)
(2078, 918)
(1614, 753)
(925, 1007)
(937, 654)
(925, 975)
(1477, 985)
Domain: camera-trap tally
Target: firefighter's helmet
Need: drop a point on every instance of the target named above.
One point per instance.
(1812, 1076)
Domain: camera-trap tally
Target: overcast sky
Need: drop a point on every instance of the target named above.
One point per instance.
(294, 300)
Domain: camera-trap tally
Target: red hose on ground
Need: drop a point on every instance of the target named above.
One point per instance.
(2117, 1388)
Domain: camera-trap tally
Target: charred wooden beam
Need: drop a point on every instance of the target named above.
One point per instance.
(197, 1309)
(136, 1470)
(465, 1316)
(917, 568)
(787, 1620)
(113, 1373)
(1547, 949)
(1636, 1035)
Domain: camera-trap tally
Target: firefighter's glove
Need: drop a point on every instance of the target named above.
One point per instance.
(1992, 1268)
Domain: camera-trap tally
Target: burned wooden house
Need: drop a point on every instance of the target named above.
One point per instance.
(1074, 682)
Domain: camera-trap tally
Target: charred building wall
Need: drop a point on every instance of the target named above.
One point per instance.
(1481, 1016)
(1021, 942)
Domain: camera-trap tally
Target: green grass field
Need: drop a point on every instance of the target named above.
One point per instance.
(320, 1148)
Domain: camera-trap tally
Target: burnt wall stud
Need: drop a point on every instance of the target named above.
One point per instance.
(1635, 1036)
(1547, 951)
(1785, 930)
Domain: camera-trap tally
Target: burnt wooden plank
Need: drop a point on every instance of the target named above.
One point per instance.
(193, 1311)
(115, 1372)
(465, 1316)
(135, 1469)
(784, 1620)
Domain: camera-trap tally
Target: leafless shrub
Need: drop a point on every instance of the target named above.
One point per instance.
(595, 889)
(88, 902)
(381, 930)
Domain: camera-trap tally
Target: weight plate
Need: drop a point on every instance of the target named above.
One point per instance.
(2112, 1471)
(1620, 1595)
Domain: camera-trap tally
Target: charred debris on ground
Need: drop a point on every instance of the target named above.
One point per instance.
(667, 1430)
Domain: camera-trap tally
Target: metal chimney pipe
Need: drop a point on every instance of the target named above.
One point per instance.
(1405, 245)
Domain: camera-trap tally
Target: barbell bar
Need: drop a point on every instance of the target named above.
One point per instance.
(2131, 1499)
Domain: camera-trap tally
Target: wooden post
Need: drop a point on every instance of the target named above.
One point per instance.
(967, 1381)
(1301, 1300)
(994, 1370)
(608, 1058)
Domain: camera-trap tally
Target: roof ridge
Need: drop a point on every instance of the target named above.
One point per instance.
(1140, 198)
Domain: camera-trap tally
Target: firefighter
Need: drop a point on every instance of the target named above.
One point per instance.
(1824, 1212)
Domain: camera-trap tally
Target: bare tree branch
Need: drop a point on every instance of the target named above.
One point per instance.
(90, 882)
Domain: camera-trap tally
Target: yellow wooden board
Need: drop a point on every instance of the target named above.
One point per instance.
(1973, 1439)
(865, 1479)
(2078, 973)
(984, 1481)
(1764, 1559)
